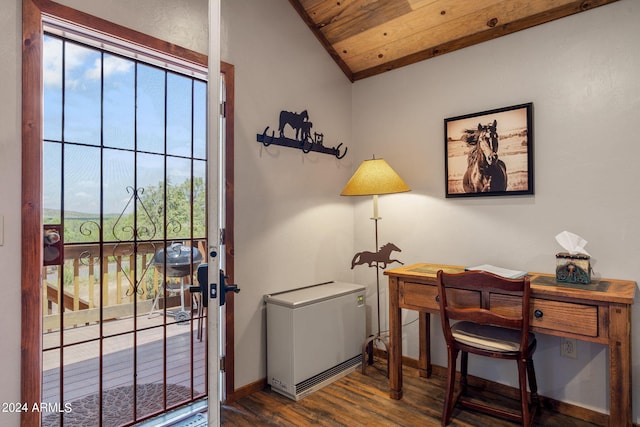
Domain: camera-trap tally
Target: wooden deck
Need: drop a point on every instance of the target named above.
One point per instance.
(155, 362)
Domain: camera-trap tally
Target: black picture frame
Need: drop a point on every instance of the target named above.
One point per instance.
(490, 153)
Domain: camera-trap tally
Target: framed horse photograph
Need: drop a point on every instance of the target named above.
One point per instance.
(490, 153)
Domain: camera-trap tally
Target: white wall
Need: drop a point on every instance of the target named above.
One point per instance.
(292, 228)
(181, 22)
(10, 149)
(581, 73)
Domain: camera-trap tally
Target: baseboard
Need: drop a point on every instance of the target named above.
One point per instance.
(247, 390)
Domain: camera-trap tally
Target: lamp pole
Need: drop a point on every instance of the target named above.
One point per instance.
(367, 347)
(375, 218)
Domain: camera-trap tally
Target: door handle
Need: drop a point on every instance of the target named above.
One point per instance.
(224, 288)
(52, 245)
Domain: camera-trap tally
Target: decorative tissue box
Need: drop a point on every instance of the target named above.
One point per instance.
(573, 268)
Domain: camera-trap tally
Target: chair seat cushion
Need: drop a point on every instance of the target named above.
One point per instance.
(488, 337)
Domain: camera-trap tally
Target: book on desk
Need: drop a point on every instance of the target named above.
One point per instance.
(499, 271)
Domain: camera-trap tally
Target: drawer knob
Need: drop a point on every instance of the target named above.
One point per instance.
(437, 298)
(538, 314)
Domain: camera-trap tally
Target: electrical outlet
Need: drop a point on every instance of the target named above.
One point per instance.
(569, 348)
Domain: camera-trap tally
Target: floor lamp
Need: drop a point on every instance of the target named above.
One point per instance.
(372, 178)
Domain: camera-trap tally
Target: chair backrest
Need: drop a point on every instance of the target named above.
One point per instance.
(484, 298)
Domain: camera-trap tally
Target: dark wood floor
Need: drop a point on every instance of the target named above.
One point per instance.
(363, 400)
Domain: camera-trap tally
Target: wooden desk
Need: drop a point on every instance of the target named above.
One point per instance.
(600, 313)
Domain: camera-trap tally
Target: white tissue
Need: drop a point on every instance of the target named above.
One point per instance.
(572, 243)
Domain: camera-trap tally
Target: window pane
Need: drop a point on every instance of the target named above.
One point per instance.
(199, 119)
(150, 208)
(199, 199)
(82, 94)
(178, 115)
(52, 189)
(118, 197)
(178, 198)
(52, 76)
(119, 102)
(81, 194)
(76, 386)
(150, 99)
(150, 367)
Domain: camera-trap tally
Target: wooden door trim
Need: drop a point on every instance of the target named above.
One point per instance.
(229, 73)
(31, 251)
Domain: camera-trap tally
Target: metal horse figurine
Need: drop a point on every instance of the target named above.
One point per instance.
(382, 257)
(298, 122)
(485, 172)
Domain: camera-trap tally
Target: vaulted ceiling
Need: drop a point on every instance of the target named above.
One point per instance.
(369, 37)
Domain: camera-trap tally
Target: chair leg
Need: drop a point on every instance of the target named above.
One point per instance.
(533, 383)
(524, 400)
(464, 364)
(449, 401)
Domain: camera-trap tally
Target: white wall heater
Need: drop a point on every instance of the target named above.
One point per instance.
(314, 336)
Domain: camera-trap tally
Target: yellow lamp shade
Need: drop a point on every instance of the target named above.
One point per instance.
(374, 177)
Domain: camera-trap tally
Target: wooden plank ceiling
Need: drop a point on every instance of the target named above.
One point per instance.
(369, 37)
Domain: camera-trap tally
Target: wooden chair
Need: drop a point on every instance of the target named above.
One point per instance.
(490, 313)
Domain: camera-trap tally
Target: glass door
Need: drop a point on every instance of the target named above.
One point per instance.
(125, 229)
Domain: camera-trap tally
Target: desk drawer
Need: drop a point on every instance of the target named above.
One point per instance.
(420, 296)
(580, 319)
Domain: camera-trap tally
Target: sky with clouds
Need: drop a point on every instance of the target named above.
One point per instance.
(106, 115)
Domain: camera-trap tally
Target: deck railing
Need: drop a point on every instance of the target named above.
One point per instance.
(99, 286)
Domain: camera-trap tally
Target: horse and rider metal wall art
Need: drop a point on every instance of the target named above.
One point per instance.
(379, 259)
(303, 139)
(490, 153)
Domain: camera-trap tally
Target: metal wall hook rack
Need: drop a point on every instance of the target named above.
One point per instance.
(303, 140)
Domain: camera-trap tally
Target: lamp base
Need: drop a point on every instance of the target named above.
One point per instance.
(367, 352)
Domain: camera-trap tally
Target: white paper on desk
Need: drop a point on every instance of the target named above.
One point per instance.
(572, 243)
(500, 271)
